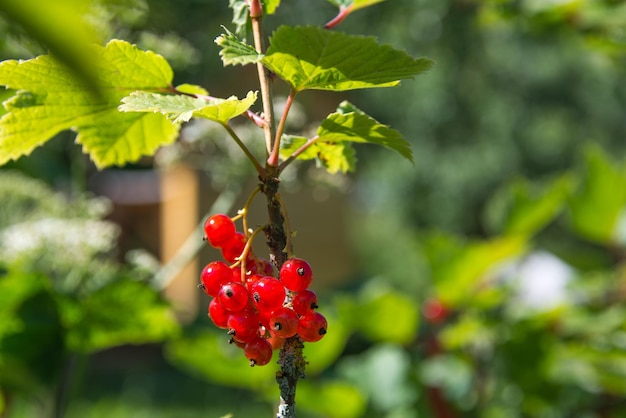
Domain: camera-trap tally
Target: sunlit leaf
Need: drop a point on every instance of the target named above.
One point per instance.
(236, 52)
(334, 156)
(332, 398)
(524, 209)
(596, 209)
(310, 57)
(209, 356)
(181, 108)
(50, 100)
(356, 126)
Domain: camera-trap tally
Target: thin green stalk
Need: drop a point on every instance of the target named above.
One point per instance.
(245, 149)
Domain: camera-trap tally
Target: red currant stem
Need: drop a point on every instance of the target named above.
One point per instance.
(256, 119)
(244, 254)
(272, 160)
(343, 13)
(246, 207)
(264, 79)
(297, 152)
(245, 149)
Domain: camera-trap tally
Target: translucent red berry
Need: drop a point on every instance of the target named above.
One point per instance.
(434, 311)
(258, 351)
(218, 314)
(312, 327)
(233, 296)
(243, 326)
(283, 322)
(219, 229)
(214, 275)
(304, 302)
(296, 274)
(232, 249)
(267, 293)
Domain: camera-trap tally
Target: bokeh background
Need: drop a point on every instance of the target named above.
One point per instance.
(485, 280)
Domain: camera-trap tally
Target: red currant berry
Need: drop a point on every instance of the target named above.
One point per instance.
(267, 293)
(312, 327)
(219, 229)
(233, 296)
(304, 302)
(276, 341)
(218, 314)
(258, 351)
(284, 322)
(232, 249)
(264, 267)
(296, 274)
(434, 311)
(214, 275)
(243, 326)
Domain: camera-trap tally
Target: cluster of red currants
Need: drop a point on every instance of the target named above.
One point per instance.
(258, 310)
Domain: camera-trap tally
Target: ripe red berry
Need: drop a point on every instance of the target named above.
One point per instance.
(283, 322)
(434, 311)
(214, 275)
(296, 274)
(304, 302)
(218, 314)
(267, 293)
(233, 296)
(312, 327)
(232, 249)
(258, 351)
(243, 326)
(218, 229)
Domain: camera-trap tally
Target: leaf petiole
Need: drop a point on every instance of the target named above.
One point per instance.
(245, 149)
(272, 160)
(297, 152)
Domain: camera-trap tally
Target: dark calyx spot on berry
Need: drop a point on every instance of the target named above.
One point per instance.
(256, 297)
(231, 332)
(229, 292)
(201, 286)
(322, 331)
(314, 306)
(300, 271)
(278, 326)
(252, 363)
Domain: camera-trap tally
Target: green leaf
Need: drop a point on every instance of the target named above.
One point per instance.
(356, 126)
(61, 26)
(333, 399)
(378, 307)
(309, 57)
(596, 209)
(50, 100)
(235, 51)
(459, 269)
(524, 209)
(122, 312)
(208, 355)
(270, 6)
(335, 157)
(179, 108)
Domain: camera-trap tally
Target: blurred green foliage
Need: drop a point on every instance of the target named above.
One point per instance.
(512, 217)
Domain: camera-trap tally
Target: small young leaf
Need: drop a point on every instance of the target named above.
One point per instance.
(235, 51)
(50, 100)
(179, 108)
(334, 156)
(356, 126)
(309, 57)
